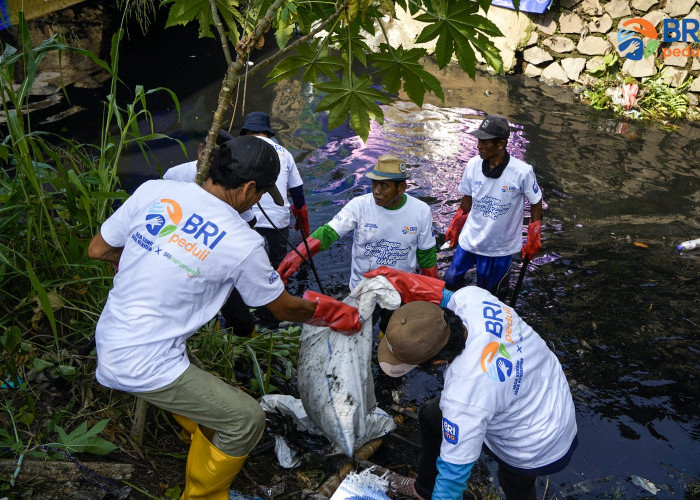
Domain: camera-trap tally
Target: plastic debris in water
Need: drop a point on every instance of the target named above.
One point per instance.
(234, 495)
(365, 485)
(646, 484)
(640, 244)
(689, 245)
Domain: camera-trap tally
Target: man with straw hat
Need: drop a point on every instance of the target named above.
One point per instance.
(503, 388)
(391, 228)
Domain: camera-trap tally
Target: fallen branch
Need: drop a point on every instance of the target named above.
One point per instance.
(60, 472)
(328, 488)
(139, 421)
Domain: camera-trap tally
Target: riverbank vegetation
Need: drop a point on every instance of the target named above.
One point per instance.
(55, 193)
(655, 99)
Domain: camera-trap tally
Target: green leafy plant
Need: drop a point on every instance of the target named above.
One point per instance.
(83, 439)
(54, 194)
(657, 99)
(609, 68)
(333, 41)
(271, 353)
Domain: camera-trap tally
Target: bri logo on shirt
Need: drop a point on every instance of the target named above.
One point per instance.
(205, 233)
(498, 369)
(509, 189)
(450, 431)
(409, 230)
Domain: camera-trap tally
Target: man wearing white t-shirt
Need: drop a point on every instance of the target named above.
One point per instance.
(390, 228)
(488, 223)
(181, 248)
(503, 388)
(276, 229)
(236, 314)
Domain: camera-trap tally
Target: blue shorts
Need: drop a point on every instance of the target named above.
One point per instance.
(491, 272)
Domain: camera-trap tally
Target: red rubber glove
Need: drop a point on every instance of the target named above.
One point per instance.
(429, 271)
(332, 313)
(452, 234)
(302, 220)
(411, 287)
(533, 244)
(292, 261)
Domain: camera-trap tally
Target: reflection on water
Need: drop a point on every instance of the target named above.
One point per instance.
(608, 293)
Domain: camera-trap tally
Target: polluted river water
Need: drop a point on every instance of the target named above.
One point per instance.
(609, 292)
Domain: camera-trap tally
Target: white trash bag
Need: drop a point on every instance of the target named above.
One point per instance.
(335, 373)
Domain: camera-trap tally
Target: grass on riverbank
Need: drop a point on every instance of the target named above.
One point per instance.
(656, 99)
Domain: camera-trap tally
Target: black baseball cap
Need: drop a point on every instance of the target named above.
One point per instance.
(253, 159)
(493, 127)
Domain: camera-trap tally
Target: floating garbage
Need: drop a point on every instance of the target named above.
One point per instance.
(689, 245)
(234, 495)
(645, 484)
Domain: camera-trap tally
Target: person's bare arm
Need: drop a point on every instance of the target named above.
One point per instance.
(536, 211)
(101, 250)
(466, 204)
(287, 307)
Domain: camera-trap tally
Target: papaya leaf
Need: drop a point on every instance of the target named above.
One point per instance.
(388, 6)
(186, 11)
(315, 62)
(352, 98)
(398, 65)
(283, 35)
(459, 30)
(353, 44)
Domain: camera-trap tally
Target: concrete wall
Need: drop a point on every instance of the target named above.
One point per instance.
(569, 41)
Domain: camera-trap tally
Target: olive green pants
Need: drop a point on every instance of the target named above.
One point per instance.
(237, 418)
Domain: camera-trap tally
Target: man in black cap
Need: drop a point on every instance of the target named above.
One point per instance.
(235, 313)
(257, 124)
(488, 223)
(181, 248)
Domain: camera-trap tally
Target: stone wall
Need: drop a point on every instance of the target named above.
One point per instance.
(563, 45)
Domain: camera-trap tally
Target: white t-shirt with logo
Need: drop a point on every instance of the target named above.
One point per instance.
(494, 225)
(506, 389)
(184, 251)
(288, 178)
(186, 172)
(384, 237)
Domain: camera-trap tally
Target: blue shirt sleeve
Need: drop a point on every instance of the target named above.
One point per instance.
(446, 296)
(451, 480)
(297, 194)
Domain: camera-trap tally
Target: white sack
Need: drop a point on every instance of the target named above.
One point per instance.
(335, 373)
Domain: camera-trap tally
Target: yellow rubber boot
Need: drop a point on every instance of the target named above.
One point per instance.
(209, 470)
(188, 428)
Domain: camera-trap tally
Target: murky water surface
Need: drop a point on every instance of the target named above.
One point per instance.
(609, 293)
